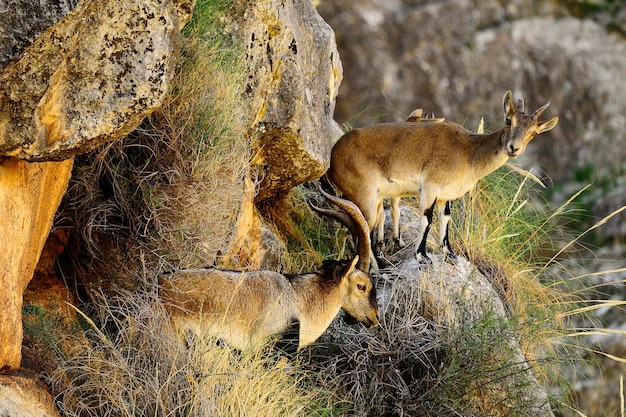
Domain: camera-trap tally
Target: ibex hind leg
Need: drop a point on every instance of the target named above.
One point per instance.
(378, 238)
(395, 243)
(370, 210)
(444, 231)
(425, 222)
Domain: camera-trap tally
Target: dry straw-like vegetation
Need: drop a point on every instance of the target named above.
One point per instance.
(134, 365)
(410, 365)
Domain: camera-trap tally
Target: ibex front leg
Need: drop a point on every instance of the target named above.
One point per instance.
(395, 217)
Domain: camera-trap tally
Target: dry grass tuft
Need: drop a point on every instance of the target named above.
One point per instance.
(426, 358)
(135, 365)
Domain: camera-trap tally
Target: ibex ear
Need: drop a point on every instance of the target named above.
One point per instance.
(350, 269)
(547, 125)
(415, 115)
(507, 103)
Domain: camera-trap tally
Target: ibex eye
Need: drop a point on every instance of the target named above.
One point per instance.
(360, 287)
(508, 122)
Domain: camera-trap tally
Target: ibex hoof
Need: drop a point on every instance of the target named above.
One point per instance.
(450, 258)
(398, 244)
(423, 259)
(448, 255)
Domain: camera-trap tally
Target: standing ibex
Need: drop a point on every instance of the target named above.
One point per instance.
(415, 116)
(439, 161)
(246, 308)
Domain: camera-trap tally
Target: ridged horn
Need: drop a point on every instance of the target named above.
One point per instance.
(352, 218)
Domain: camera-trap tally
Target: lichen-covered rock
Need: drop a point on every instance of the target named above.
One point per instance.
(89, 79)
(21, 22)
(294, 73)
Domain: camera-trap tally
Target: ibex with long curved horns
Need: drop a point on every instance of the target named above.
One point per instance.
(246, 308)
(439, 161)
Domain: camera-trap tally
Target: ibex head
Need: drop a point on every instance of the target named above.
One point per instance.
(519, 128)
(359, 298)
(358, 291)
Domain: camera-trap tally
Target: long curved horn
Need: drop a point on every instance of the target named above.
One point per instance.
(353, 219)
(538, 112)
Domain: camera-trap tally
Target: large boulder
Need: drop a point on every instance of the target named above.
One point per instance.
(90, 78)
(294, 73)
(29, 197)
(435, 318)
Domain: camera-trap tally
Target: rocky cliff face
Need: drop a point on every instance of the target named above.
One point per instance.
(76, 75)
(22, 22)
(80, 74)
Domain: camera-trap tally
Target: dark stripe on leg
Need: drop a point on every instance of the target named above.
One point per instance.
(446, 238)
(429, 217)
